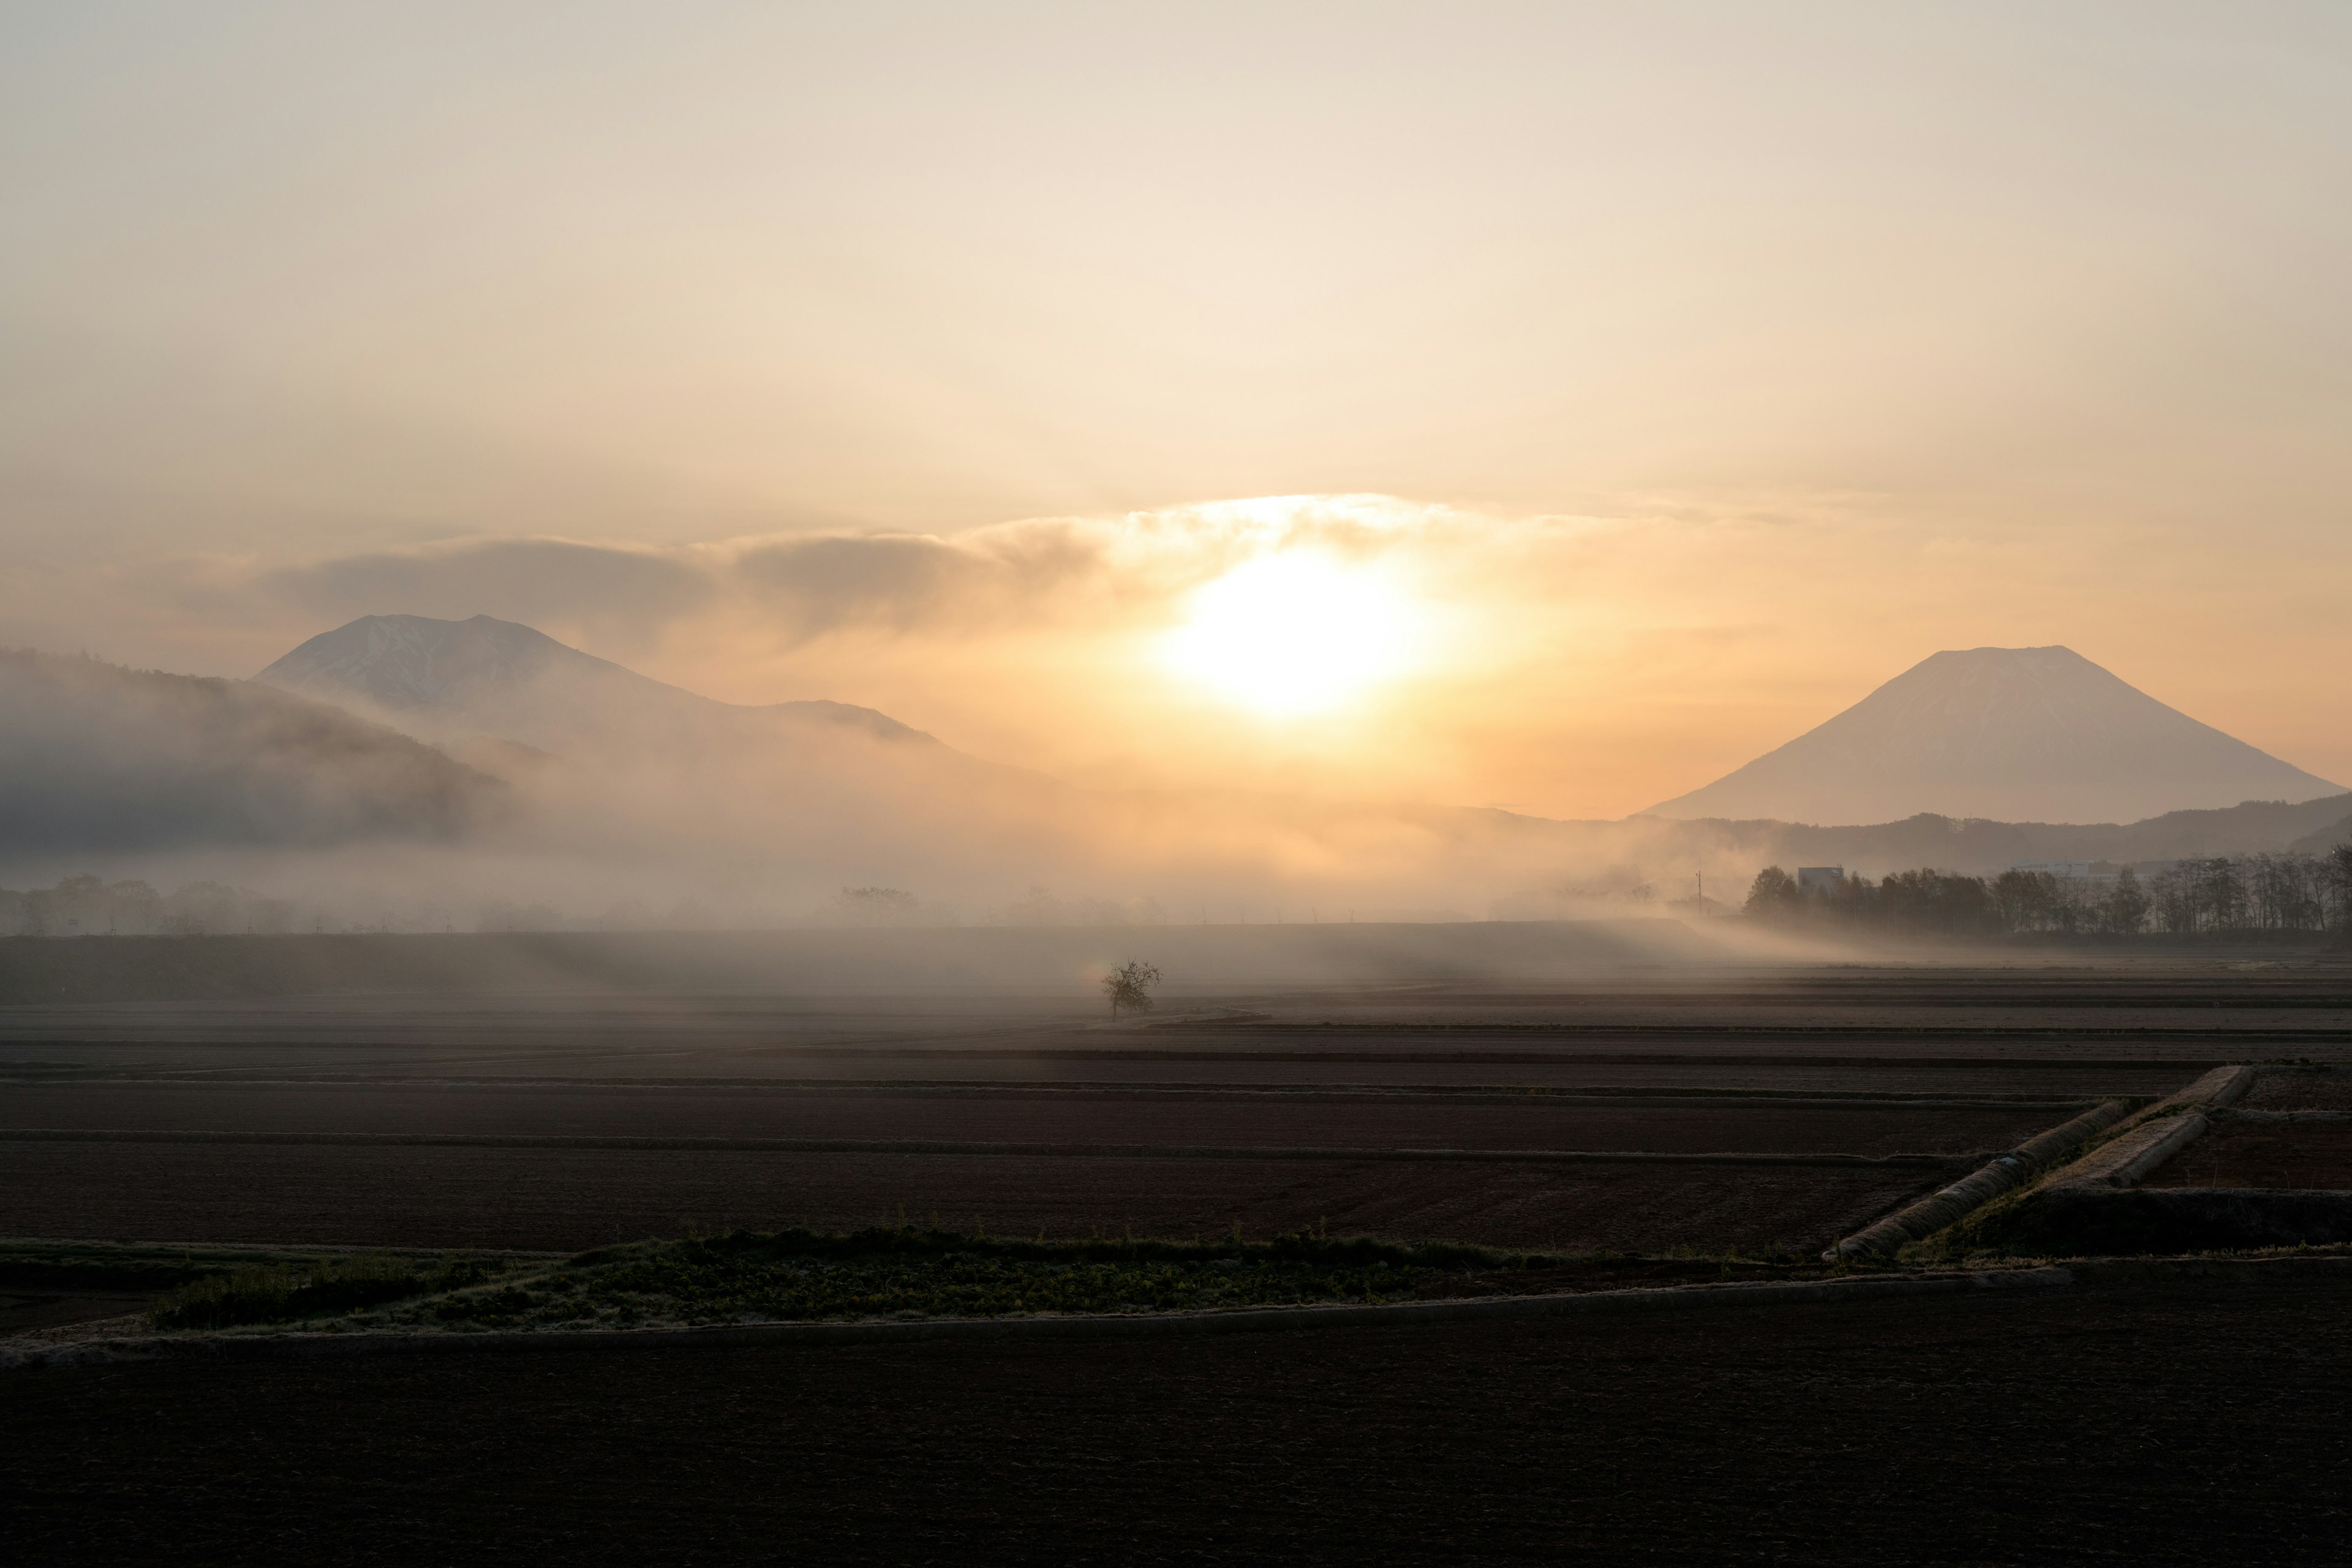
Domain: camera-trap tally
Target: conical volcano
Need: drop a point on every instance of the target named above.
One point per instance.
(2014, 735)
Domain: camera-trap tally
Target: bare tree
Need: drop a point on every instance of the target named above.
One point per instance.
(1130, 987)
(1774, 895)
(2335, 880)
(2125, 909)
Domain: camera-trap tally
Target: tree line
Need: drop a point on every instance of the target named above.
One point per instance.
(91, 906)
(2285, 891)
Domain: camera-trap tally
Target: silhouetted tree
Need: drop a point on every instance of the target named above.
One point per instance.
(1774, 895)
(1130, 987)
(1937, 900)
(2336, 878)
(2125, 909)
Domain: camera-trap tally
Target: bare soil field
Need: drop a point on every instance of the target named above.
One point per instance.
(2248, 1152)
(1038, 1116)
(1155, 1065)
(564, 1199)
(2188, 1422)
(1044, 1071)
(2300, 1092)
(2168, 1006)
(23, 1310)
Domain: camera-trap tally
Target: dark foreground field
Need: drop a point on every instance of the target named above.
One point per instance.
(566, 1199)
(1646, 1111)
(2180, 1423)
(1318, 1093)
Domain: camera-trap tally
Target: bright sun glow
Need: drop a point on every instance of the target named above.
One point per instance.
(1295, 634)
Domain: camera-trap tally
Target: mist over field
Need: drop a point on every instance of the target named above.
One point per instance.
(949, 527)
(411, 774)
(1286, 783)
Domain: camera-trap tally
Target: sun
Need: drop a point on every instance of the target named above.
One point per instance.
(1295, 634)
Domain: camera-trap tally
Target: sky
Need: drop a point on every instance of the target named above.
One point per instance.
(1548, 407)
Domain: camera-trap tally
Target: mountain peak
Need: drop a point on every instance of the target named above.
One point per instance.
(2017, 734)
(411, 662)
(487, 677)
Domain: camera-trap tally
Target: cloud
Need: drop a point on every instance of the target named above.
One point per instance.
(906, 581)
(616, 589)
(805, 587)
(1053, 569)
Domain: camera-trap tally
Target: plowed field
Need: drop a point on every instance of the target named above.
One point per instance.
(2191, 1423)
(566, 1199)
(1073, 1117)
(2252, 1153)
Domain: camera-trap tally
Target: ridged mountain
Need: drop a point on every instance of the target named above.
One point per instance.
(486, 676)
(94, 758)
(2014, 735)
(600, 755)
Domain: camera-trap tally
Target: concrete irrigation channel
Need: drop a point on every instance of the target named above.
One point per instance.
(2149, 1137)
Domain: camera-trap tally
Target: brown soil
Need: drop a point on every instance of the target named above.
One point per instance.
(2204, 1022)
(2248, 1153)
(1101, 1116)
(24, 1310)
(2184, 1424)
(563, 1199)
(2034, 1077)
(2300, 1092)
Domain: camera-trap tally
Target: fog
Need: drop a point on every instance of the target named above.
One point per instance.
(99, 759)
(476, 776)
(573, 794)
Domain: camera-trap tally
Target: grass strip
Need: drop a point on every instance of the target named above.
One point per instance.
(902, 1273)
(883, 1274)
(328, 1287)
(800, 1275)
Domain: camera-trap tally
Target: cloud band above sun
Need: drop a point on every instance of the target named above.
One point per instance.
(1561, 664)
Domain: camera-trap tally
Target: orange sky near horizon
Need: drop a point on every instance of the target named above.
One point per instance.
(1612, 393)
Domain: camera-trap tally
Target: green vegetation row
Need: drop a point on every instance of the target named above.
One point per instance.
(806, 1275)
(2289, 891)
(908, 1273)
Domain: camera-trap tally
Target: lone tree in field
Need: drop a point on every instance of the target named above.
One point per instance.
(1130, 987)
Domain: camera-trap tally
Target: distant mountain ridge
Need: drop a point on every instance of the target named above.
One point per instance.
(497, 678)
(2014, 735)
(95, 757)
(623, 773)
(1981, 847)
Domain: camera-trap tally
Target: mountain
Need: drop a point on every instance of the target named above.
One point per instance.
(2025, 734)
(609, 764)
(95, 757)
(486, 676)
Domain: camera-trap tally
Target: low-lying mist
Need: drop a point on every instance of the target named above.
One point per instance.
(545, 791)
(661, 810)
(98, 758)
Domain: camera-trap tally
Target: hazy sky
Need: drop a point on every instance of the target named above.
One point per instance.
(1650, 381)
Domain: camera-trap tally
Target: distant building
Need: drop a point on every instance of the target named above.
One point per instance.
(1824, 878)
